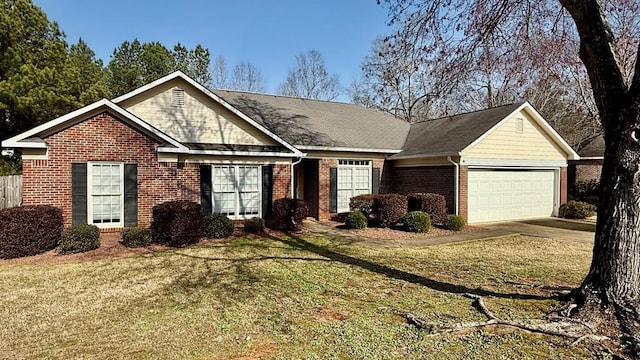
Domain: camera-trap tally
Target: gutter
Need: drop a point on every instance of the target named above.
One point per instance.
(293, 175)
(456, 183)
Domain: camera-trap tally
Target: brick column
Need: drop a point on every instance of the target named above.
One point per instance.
(563, 185)
(323, 188)
(463, 193)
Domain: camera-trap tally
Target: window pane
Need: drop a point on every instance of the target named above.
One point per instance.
(106, 192)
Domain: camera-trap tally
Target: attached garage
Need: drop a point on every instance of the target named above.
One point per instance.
(504, 163)
(505, 194)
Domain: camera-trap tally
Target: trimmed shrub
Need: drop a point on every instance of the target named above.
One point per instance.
(287, 214)
(135, 237)
(217, 226)
(176, 223)
(453, 222)
(417, 221)
(29, 230)
(254, 225)
(433, 204)
(355, 220)
(577, 210)
(79, 238)
(586, 191)
(363, 204)
(389, 209)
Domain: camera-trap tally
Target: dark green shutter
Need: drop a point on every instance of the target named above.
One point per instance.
(267, 190)
(205, 189)
(333, 190)
(79, 193)
(375, 181)
(130, 195)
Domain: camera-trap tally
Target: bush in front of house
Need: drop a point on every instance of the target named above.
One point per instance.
(79, 238)
(453, 222)
(217, 226)
(577, 210)
(389, 209)
(176, 223)
(135, 237)
(254, 225)
(355, 220)
(417, 221)
(433, 204)
(363, 204)
(287, 214)
(586, 191)
(29, 230)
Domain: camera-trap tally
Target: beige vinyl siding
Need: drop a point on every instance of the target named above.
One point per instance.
(198, 120)
(506, 142)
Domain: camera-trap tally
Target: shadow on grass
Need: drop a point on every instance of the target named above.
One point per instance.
(300, 243)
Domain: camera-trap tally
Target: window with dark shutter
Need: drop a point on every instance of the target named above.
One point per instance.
(205, 189)
(78, 193)
(130, 195)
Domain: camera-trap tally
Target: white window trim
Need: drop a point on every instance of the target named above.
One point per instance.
(237, 215)
(369, 165)
(90, 194)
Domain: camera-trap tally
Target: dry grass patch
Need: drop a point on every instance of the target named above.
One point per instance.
(293, 297)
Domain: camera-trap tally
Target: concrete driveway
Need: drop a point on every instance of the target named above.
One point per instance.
(556, 228)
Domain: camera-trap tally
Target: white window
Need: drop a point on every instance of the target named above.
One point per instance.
(354, 178)
(236, 190)
(106, 195)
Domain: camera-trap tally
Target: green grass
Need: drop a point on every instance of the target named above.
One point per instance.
(292, 298)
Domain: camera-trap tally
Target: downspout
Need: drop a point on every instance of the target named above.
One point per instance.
(456, 183)
(293, 175)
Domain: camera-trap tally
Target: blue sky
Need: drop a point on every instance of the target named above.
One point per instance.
(266, 33)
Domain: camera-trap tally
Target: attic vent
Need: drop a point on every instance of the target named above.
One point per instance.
(519, 125)
(178, 97)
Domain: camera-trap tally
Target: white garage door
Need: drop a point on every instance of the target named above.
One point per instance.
(508, 194)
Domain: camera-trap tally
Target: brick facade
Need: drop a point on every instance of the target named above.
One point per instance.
(463, 192)
(281, 181)
(105, 138)
(584, 170)
(323, 188)
(426, 179)
(563, 185)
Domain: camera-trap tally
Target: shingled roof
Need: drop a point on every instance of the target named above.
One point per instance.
(451, 134)
(315, 123)
(593, 148)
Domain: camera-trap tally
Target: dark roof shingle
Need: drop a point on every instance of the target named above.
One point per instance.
(320, 123)
(452, 134)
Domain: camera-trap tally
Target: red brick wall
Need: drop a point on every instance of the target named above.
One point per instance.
(281, 181)
(105, 138)
(427, 179)
(323, 187)
(563, 185)
(463, 192)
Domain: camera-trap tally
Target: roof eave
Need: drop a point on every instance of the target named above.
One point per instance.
(347, 149)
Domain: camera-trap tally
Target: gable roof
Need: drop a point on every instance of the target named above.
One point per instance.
(322, 125)
(451, 135)
(594, 148)
(214, 97)
(32, 138)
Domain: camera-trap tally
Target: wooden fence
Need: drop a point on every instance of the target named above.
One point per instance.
(10, 191)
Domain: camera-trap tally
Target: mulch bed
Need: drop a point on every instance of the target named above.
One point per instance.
(397, 234)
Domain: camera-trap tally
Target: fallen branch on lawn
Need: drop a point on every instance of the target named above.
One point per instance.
(479, 304)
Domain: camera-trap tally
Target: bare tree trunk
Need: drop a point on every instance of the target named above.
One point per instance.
(611, 290)
(612, 287)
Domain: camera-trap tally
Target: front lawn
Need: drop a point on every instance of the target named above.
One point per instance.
(298, 297)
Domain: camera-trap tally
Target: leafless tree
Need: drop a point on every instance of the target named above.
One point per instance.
(610, 292)
(247, 77)
(310, 79)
